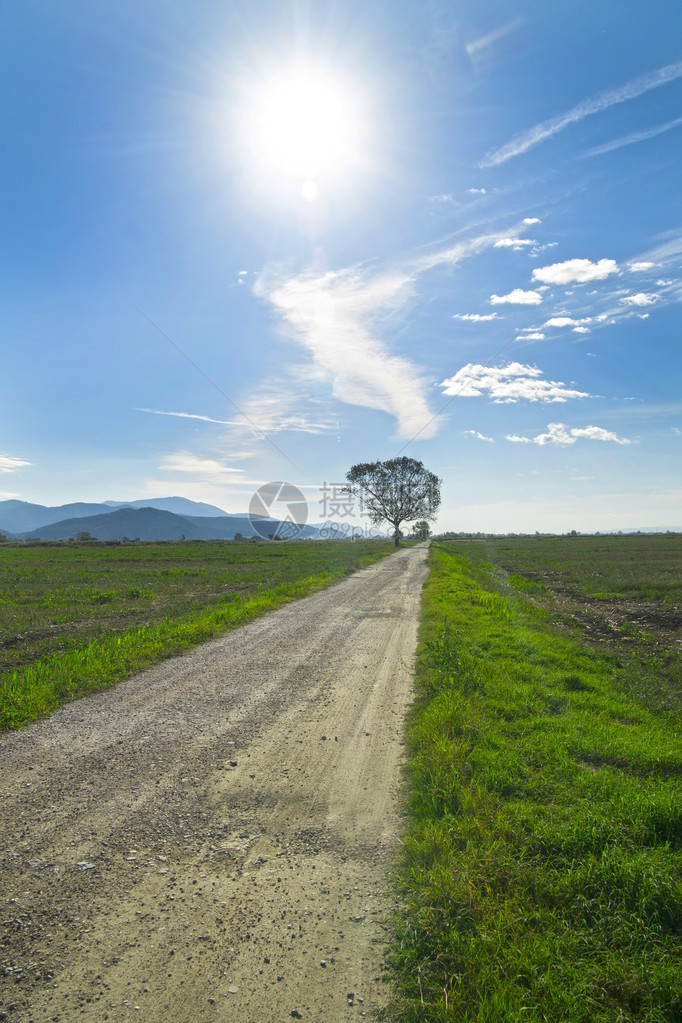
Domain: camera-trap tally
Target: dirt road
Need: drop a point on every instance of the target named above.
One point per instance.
(209, 840)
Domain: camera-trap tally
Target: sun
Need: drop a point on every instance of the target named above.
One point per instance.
(303, 126)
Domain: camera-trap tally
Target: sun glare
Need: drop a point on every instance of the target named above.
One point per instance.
(303, 127)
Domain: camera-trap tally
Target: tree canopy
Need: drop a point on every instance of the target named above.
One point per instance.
(395, 491)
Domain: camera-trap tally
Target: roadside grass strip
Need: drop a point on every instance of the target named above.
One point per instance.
(40, 687)
(541, 877)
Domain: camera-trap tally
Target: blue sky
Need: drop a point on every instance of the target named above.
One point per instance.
(250, 242)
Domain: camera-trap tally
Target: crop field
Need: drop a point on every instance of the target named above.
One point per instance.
(78, 616)
(541, 876)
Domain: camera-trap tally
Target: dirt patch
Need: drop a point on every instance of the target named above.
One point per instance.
(210, 840)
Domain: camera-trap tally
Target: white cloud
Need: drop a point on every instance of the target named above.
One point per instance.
(533, 336)
(566, 321)
(537, 248)
(9, 464)
(475, 317)
(558, 433)
(581, 330)
(505, 384)
(336, 317)
(640, 299)
(514, 243)
(517, 297)
(479, 436)
(341, 319)
(598, 433)
(602, 101)
(185, 461)
(532, 220)
(477, 191)
(635, 136)
(639, 267)
(575, 270)
(445, 198)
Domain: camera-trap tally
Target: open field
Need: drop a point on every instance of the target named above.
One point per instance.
(542, 872)
(77, 617)
(623, 592)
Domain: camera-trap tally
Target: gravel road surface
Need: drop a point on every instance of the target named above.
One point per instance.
(209, 840)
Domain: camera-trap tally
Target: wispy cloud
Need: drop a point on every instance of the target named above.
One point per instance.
(187, 415)
(265, 414)
(534, 335)
(532, 220)
(517, 297)
(575, 271)
(185, 461)
(475, 317)
(337, 317)
(345, 318)
(10, 464)
(506, 384)
(640, 267)
(635, 136)
(478, 436)
(559, 433)
(601, 101)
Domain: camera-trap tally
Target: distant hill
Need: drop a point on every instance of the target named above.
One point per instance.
(154, 524)
(21, 516)
(177, 505)
(142, 523)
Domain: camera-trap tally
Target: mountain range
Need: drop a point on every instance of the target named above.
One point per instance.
(164, 518)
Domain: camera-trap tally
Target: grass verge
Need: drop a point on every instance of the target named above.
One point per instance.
(542, 872)
(40, 686)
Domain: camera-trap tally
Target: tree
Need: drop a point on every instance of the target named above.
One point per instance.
(395, 491)
(421, 529)
(83, 536)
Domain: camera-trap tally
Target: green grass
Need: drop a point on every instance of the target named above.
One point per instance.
(541, 876)
(646, 567)
(79, 617)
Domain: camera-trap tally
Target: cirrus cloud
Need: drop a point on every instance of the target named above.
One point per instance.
(601, 101)
(9, 464)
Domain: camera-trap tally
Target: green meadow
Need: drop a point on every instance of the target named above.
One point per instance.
(541, 876)
(76, 617)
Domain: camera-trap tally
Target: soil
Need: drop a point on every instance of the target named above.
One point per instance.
(211, 840)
